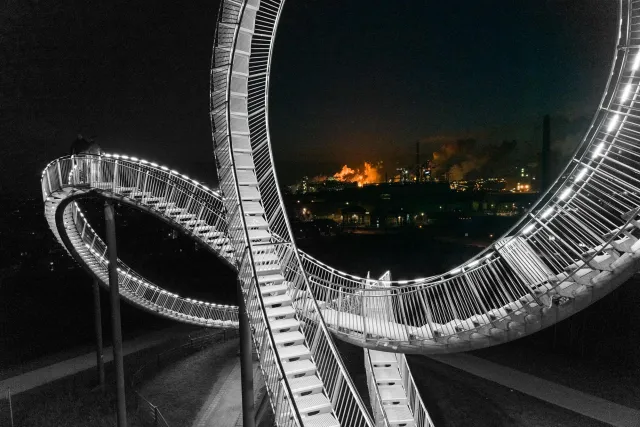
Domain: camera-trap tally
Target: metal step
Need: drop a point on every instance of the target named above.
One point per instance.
(294, 352)
(313, 404)
(322, 420)
(249, 194)
(273, 289)
(393, 394)
(283, 325)
(277, 300)
(270, 278)
(268, 268)
(243, 161)
(383, 359)
(256, 222)
(399, 415)
(246, 177)
(288, 338)
(261, 257)
(280, 312)
(252, 208)
(299, 368)
(305, 385)
(387, 375)
(258, 235)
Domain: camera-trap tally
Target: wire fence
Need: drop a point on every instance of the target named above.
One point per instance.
(149, 413)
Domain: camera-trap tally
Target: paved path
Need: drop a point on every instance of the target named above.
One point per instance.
(56, 371)
(223, 407)
(556, 394)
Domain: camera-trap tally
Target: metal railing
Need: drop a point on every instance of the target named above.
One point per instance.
(414, 400)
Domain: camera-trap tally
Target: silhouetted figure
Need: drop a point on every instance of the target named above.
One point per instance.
(85, 146)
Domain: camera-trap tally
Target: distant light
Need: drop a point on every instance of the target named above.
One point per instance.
(547, 213)
(528, 228)
(613, 122)
(581, 174)
(565, 194)
(598, 150)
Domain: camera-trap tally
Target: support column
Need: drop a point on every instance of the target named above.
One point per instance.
(114, 297)
(246, 363)
(98, 329)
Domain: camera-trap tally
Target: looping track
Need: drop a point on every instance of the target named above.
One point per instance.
(576, 244)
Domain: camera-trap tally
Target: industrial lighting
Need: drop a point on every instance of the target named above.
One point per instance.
(547, 213)
(565, 194)
(473, 264)
(625, 93)
(598, 150)
(528, 228)
(613, 122)
(636, 62)
(581, 174)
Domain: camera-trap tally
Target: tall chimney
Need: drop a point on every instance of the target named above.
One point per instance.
(545, 158)
(418, 174)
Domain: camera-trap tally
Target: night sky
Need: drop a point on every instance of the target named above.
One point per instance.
(351, 80)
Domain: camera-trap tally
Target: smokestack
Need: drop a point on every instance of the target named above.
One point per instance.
(418, 175)
(545, 173)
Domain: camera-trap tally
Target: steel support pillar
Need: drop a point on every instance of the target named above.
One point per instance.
(98, 329)
(246, 363)
(114, 297)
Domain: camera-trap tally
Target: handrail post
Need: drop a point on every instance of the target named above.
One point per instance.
(246, 363)
(59, 172)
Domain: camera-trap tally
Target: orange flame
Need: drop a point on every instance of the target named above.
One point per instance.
(369, 175)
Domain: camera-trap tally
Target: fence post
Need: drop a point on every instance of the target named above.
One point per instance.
(10, 406)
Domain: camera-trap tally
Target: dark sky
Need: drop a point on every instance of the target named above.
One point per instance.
(351, 80)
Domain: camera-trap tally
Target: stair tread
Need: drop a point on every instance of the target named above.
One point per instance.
(299, 367)
(287, 337)
(277, 299)
(304, 384)
(293, 351)
(392, 392)
(252, 208)
(256, 221)
(387, 374)
(320, 420)
(269, 289)
(270, 278)
(399, 414)
(280, 311)
(380, 357)
(284, 323)
(312, 402)
(258, 234)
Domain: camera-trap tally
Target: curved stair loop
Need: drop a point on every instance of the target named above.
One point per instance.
(70, 179)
